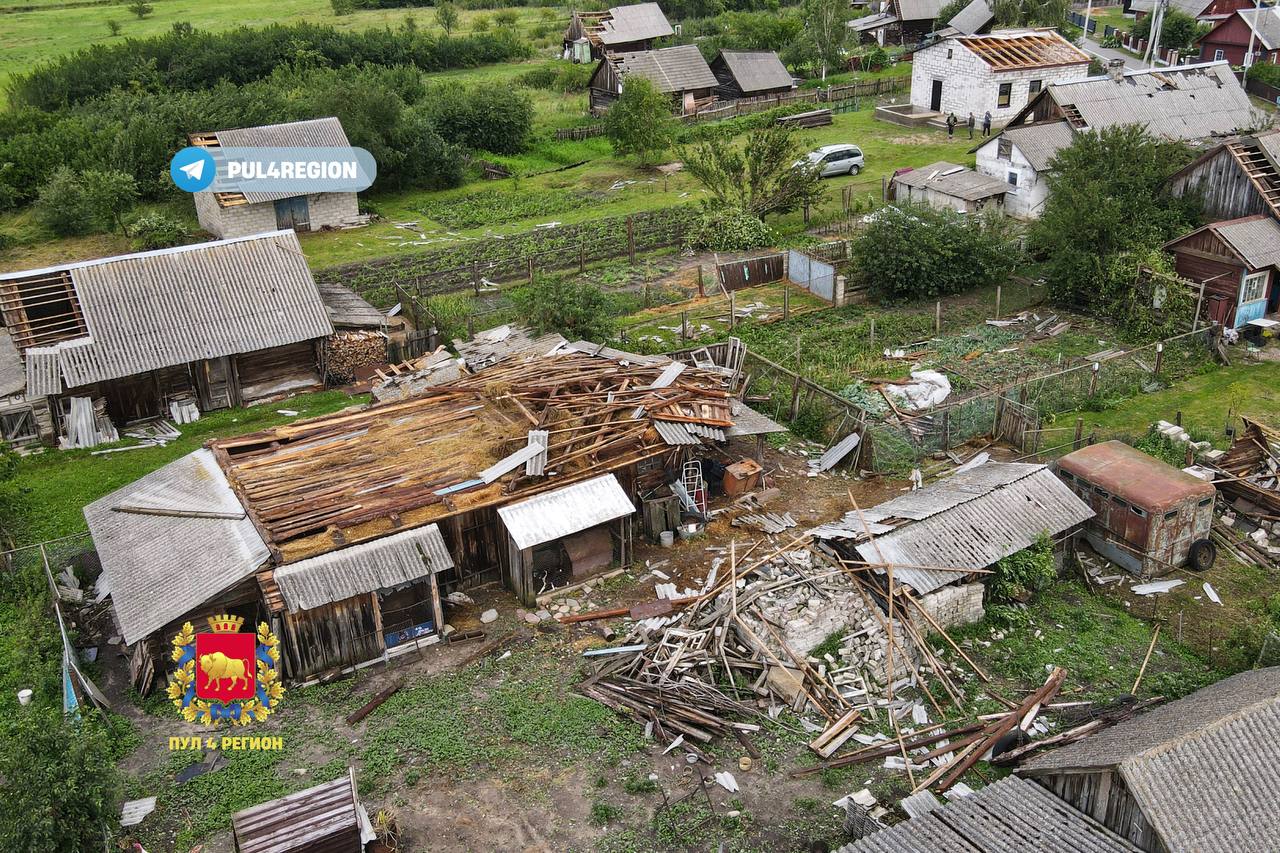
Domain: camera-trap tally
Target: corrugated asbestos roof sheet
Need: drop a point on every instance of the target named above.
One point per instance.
(973, 18)
(747, 421)
(1265, 22)
(872, 22)
(312, 133)
(319, 818)
(1009, 816)
(492, 345)
(13, 376)
(1188, 102)
(1040, 143)
(634, 23)
(969, 521)
(1255, 238)
(1204, 769)
(562, 512)
(953, 180)
(161, 566)
(381, 564)
(1194, 8)
(756, 70)
(671, 69)
(918, 10)
(174, 306)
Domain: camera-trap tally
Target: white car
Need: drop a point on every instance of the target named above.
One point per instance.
(832, 160)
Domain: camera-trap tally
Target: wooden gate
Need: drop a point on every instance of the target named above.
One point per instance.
(293, 213)
(1017, 423)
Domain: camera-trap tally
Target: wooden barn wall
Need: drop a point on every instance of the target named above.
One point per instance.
(336, 635)
(262, 370)
(1225, 189)
(1104, 797)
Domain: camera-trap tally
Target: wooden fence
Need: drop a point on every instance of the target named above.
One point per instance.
(579, 133)
(748, 272)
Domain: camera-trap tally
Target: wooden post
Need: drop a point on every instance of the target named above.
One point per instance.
(873, 331)
(1159, 358)
(998, 294)
(582, 259)
(937, 317)
(701, 292)
(1195, 320)
(946, 429)
(795, 397)
(631, 240)
(475, 276)
(531, 269)
(884, 188)
(786, 303)
(1177, 418)
(1093, 378)
(1075, 441)
(806, 214)
(684, 326)
(733, 315)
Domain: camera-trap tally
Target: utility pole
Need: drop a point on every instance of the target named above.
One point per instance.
(1153, 36)
(1253, 32)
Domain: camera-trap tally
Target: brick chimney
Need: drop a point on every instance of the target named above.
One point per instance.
(1115, 69)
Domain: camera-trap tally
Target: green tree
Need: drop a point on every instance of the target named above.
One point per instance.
(506, 19)
(1108, 194)
(912, 253)
(825, 31)
(63, 205)
(113, 26)
(61, 781)
(110, 195)
(447, 16)
(758, 176)
(640, 123)
(1029, 13)
(141, 8)
(577, 310)
(1178, 32)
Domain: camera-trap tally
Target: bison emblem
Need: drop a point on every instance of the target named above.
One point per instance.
(217, 667)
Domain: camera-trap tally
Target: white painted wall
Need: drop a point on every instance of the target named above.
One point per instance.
(970, 85)
(1027, 202)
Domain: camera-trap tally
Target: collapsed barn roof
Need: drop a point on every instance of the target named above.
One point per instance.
(1011, 814)
(967, 521)
(170, 307)
(1203, 770)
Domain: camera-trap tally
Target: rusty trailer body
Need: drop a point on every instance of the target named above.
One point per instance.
(325, 819)
(1149, 517)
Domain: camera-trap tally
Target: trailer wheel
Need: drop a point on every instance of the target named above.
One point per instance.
(1202, 554)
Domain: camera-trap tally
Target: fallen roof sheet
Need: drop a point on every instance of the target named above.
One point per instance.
(1009, 815)
(161, 566)
(953, 180)
(747, 421)
(493, 345)
(13, 376)
(918, 10)
(381, 564)
(175, 306)
(872, 22)
(562, 512)
(973, 18)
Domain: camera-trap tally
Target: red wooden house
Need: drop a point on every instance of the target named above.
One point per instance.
(1235, 263)
(1230, 38)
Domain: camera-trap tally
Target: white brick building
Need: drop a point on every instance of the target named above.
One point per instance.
(1020, 156)
(996, 73)
(241, 214)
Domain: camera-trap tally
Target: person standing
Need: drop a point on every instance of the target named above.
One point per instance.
(951, 125)
(986, 124)
(971, 124)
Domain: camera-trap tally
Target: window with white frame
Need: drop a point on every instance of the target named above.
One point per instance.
(1218, 55)
(1254, 287)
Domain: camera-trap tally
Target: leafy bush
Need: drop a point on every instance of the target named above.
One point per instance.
(63, 204)
(1019, 576)
(730, 229)
(1265, 72)
(487, 117)
(558, 77)
(916, 252)
(577, 310)
(157, 230)
(640, 123)
(1159, 445)
(758, 176)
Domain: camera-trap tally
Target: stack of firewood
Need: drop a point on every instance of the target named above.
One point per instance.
(346, 352)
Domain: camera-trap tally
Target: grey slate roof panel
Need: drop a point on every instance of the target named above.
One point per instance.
(381, 564)
(757, 70)
(492, 345)
(973, 18)
(953, 180)
(1255, 238)
(1265, 22)
(13, 375)
(348, 309)
(1012, 815)
(161, 566)
(311, 133)
(1189, 102)
(1194, 8)
(1039, 143)
(562, 512)
(969, 521)
(174, 306)
(918, 10)
(872, 22)
(670, 69)
(637, 22)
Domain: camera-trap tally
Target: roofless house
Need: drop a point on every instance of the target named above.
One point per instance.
(343, 532)
(621, 29)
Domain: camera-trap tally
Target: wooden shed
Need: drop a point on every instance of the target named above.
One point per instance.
(1234, 263)
(325, 819)
(947, 186)
(680, 72)
(750, 74)
(620, 29)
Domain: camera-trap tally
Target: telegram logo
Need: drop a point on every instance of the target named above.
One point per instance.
(193, 169)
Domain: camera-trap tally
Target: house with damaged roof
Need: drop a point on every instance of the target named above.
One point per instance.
(1197, 104)
(87, 348)
(344, 532)
(236, 214)
(679, 72)
(947, 186)
(619, 29)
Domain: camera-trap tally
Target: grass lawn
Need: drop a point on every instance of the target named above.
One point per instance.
(46, 497)
(1204, 400)
(1111, 16)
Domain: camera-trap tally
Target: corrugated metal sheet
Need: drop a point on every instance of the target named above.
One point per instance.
(838, 451)
(512, 461)
(1010, 816)
(638, 22)
(1188, 102)
(670, 69)
(953, 180)
(1255, 238)
(536, 466)
(43, 375)
(970, 520)
(668, 375)
(747, 421)
(872, 22)
(312, 133)
(918, 10)
(174, 306)
(1204, 769)
(381, 564)
(674, 434)
(1040, 143)
(324, 819)
(562, 512)
(161, 566)
(756, 70)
